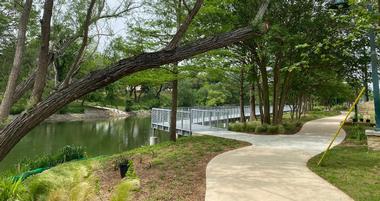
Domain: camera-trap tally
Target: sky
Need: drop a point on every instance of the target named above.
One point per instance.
(117, 25)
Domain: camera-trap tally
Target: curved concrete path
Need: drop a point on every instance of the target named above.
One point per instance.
(274, 167)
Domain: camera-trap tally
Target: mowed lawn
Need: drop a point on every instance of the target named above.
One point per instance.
(351, 167)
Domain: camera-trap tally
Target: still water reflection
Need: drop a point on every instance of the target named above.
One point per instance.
(101, 137)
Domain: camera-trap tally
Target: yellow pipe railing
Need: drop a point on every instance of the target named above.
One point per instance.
(341, 125)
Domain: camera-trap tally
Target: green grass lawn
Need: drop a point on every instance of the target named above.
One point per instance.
(167, 171)
(351, 167)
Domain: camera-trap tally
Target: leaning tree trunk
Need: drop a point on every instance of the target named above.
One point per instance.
(19, 127)
(8, 98)
(43, 58)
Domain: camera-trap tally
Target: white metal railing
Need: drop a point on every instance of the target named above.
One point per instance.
(188, 118)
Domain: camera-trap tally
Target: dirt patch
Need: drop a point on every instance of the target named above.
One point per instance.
(179, 179)
(109, 177)
(176, 171)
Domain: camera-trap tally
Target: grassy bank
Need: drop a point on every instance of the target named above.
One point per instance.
(289, 126)
(351, 167)
(168, 171)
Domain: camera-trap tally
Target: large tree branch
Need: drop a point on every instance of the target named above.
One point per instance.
(185, 26)
(18, 128)
(78, 58)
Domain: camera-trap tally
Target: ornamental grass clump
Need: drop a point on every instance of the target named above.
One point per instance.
(12, 190)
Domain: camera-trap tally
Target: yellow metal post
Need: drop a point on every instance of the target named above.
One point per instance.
(341, 125)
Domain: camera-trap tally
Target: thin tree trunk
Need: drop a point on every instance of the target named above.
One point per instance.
(158, 93)
(241, 95)
(276, 92)
(252, 101)
(366, 82)
(173, 114)
(265, 94)
(8, 98)
(283, 97)
(75, 66)
(260, 99)
(43, 58)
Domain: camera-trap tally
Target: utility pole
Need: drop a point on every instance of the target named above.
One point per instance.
(375, 76)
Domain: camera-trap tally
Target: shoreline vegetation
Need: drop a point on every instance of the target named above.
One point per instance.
(165, 171)
(92, 112)
(350, 166)
(289, 126)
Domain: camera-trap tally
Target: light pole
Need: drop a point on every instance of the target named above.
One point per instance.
(338, 4)
(375, 76)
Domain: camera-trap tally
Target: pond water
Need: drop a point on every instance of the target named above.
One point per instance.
(101, 137)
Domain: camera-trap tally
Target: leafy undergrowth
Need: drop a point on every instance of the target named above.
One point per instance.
(289, 126)
(167, 171)
(351, 167)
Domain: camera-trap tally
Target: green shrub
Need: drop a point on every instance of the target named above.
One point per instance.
(261, 128)
(67, 153)
(17, 109)
(237, 127)
(250, 127)
(281, 129)
(291, 127)
(73, 108)
(272, 129)
(355, 132)
(339, 108)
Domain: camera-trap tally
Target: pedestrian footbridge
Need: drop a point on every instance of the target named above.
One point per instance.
(190, 120)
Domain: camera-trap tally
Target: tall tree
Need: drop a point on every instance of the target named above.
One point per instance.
(43, 58)
(7, 101)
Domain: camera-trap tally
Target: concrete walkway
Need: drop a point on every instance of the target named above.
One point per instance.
(274, 168)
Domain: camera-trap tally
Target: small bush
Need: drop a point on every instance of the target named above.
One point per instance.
(281, 129)
(291, 127)
(355, 132)
(250, 127)
(17, 109)
(261, 128)
(237, 127)
(272, 129)
(72, 109)
(339, 108)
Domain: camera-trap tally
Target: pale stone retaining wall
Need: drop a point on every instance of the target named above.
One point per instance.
(373, 140)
